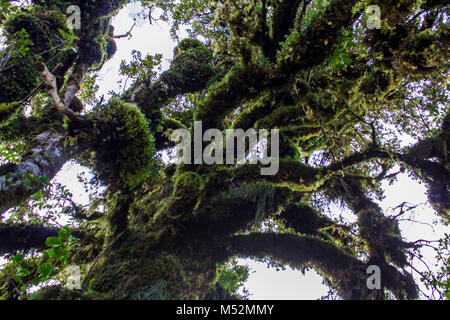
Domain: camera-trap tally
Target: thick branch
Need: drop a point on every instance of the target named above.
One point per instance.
(304, 219)
(346, 273)
(26, 237)
(21, 181)
(313, 46)
(299, 251)
(283, 19)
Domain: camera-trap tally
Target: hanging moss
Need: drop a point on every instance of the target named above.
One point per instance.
(382, 235)
(187, 185)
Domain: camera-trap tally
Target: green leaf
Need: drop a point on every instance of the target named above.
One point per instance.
(44, 180)
(22, 272)
(52, 253)
(38, 195)
(36, 281)
(67, 230)
(53, 241)
(63, 235)
(18, 258)
(45, 269)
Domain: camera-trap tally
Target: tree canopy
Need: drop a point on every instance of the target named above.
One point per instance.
(339, 79)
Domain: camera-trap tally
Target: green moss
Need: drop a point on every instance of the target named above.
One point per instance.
(382, 235)
(223, 97)
(190, 67)
(123, 144)
(42, 26)
(7, 110)
(187, 45)
(187, 183)
(76, 105)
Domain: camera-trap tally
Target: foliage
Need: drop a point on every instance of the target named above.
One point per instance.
(440, 280)
(340, 94)
(88, 90)
(53, 261)
(140, 68)
(232, 277)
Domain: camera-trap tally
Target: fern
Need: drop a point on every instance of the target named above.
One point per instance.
(260, 193)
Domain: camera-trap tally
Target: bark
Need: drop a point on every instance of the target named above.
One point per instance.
(21, 181)
(26, 237)
(52, 90)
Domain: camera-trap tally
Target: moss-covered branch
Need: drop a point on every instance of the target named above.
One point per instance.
(345, 272)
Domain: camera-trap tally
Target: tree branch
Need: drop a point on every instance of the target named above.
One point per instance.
(127, 34)
(21, 181)
(26, 237)
(347, 274)
(52, 90)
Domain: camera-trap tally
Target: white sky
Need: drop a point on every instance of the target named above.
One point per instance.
(263, 283)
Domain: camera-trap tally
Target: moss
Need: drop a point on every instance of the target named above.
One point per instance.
(57, 293)
(304, 219)
(224, 96)
(97, 46)
(76, 105)
(141, 264)
(191, 66)
(187, 189)
(187, 45)
(382, 235)
(42, 27)
(7, 110)
(123, 144)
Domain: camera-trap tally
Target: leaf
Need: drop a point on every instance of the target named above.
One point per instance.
(22, 272)
(45, 269)
(36, 281)
(53, 241)
(18, 258)
(52, 253)
(38, 195)
(44, 180)
(63, 33)
(63, 235)
(67, 230)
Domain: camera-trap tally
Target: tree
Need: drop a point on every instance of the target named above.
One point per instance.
(335, 84)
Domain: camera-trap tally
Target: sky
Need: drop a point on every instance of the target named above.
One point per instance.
(263, 282)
